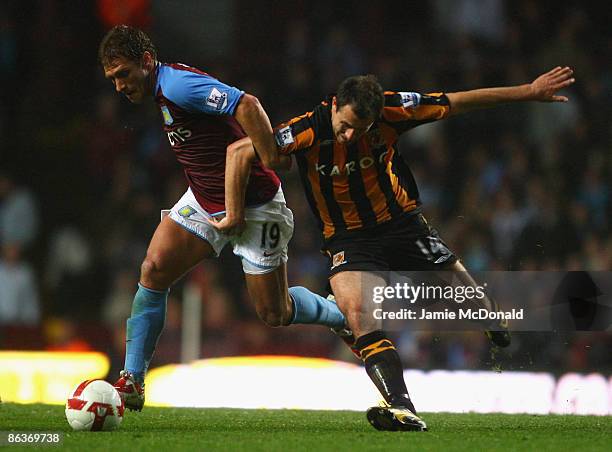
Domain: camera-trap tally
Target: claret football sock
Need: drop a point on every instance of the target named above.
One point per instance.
(384, 368)
(143, 329)
(308, 307)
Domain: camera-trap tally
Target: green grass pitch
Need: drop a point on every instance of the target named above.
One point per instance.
(175, 429)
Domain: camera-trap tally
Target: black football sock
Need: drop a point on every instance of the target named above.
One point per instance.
(384, 368)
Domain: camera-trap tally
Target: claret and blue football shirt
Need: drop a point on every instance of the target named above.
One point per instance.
(197, 112)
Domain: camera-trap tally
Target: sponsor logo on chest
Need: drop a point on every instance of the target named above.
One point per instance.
(351, 166)
(178, 136)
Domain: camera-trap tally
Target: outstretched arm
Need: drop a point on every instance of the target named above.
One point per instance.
(542, 89)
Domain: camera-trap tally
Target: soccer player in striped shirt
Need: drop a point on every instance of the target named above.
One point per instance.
(368, 209)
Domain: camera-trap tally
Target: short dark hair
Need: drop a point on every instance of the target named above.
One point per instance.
(364, 94)
(127, 42)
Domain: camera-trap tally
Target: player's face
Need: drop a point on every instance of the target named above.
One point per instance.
(130, 78)
(348, 127)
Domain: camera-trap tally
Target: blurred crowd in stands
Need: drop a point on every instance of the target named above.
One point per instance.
(83, 174)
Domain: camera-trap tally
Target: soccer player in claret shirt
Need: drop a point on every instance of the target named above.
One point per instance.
(201, 117)
(366, 203)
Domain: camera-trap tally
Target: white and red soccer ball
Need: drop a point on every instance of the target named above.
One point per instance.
(94, 405)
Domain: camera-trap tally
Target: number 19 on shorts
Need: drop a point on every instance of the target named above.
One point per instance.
(270, 235)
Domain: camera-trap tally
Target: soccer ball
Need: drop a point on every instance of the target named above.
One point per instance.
(94, 405)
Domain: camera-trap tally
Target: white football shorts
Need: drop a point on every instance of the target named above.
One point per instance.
(262, 245)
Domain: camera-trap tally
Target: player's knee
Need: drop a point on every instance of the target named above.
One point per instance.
(152, 273)
(148, 268)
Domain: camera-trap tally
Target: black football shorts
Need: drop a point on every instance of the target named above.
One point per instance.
(404, 244)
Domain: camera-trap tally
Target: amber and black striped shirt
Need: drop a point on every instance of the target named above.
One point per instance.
(360, 185)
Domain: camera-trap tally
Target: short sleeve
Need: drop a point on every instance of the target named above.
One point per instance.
(406, 110)
(200, 93)
(296, 134)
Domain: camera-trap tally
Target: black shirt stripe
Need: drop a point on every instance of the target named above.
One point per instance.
(405, 177)
(302, 163)
(384, 182)
(357, 189)
(326, 158)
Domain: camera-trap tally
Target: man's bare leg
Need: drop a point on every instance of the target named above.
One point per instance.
(378, 352)
(278, 305)
(496, 331)
(172, 252)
